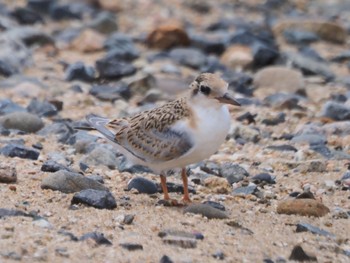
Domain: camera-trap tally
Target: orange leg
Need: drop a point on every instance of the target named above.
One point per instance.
(186, 197)
(164, 187)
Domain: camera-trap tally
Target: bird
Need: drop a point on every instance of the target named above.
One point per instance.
(176, 134)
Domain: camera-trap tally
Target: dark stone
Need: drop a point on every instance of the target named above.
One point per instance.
(219, 255)
(311, 53)
(68, 234)
(304, 227)
(312, 139)
(26, 16)
(62, 130)
(14, 150)
(245, 190)
(263, 177)
(282, 148)
(189, 57)
(4, 212)
(8, 106)
(69, 182)
(298, 254)
(165, 259)
(76, 88)
(263, 55)
(336, 111)
(97, 237)
(78, 71)
(342, 57)
(38, 146)
(175, 188)
(214, 45)
(239, 82)
(66, 11)
(304, 195)
(323, 150)
(283, 100)
(32, 36)
(97, 178)
(104, 22)
(114, 68)
(215, 205)
(250, 118)
(7, 69)
(128, 219)
(233, 172)
(131, 246)
(41, 6)
(42, 108)
(111, 92)
(142, 185)
(205, 210)
(299, 37)
(52, 166)
(280, 118)
(95, 198)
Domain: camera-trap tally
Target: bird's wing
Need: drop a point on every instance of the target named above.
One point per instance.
(150, 136)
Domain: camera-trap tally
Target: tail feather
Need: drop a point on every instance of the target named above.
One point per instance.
(99, 124)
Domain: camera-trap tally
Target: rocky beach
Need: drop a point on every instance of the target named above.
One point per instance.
(277, 190)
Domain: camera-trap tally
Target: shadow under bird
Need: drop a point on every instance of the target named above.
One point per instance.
(176, 134)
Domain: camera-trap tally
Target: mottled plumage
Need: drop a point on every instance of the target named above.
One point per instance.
(176, 134)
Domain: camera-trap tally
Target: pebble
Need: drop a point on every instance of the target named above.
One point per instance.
(8, 173)
(26, 16)
(215, 205)
(183, 242)
(95, 198)
(131, 246)
(111, 92)
(209, 44)
(336, 111)
(303, 207)
(299, 37)
(99, 238)
(42, 108)
(312, 139)
(263, 177)
(219, 255)
(282, 148)
(303, 227)
(66, 11)
(23, 121)
(114, 68)
(165, 259)
(53, 166)
(8, 106)
(105, 22)
(205, 210)
(78, 71)
(100, 156)
(245, 190)
(168, 35)
(298, 254)
(43, 223)
(4, 212)
(41, 6)
(16, 150)
(68, 182)
(275, 79)
(280, 118)
(233, 172)
(142, 185)
(189, 57)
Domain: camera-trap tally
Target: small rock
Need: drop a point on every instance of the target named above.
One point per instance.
(95, 198)
(219, 255)
(26, 16)
(275, 79)
(8, 173)
(22, 121)
(263, 177)
(43, 223)
(205, 210)
(68, 182)
(97, 237)
(298, 254)
(53, 166)
(42, 108)
(209, 44)
(78, 71)
(245, 190)
(189, 57)
(280, 118)
(4, 212)
(282, 148)
(97, 178)
(168, 35)
(114, 68)
(88, 41)
(302, 227)
(8, 106)
(336, 111)
(184, 242)
(142, 185)
(111, 92)
(15, 150)
(215, 205)
(233, 172)
(131, 246)
(299, 37)
(66, 11)
(303, 207)
(104, 22)
(100, 156)
(41, 6)
(312, 139)
(165, 259)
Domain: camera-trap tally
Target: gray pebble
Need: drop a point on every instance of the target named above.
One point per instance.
(233, 172)
(15, 150)
(205, 210)
(23, 121)
(336, 111)
(142, 185)
(100, 156)
(95, 198)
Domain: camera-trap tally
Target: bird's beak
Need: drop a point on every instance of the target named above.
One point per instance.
(228, 99)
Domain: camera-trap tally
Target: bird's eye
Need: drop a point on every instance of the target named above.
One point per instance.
(205, 89)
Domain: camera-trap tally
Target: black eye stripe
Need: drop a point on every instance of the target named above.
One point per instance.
(205, 89)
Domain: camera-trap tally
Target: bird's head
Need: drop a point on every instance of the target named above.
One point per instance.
(208, 87)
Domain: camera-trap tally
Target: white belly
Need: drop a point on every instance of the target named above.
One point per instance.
(212, 127)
